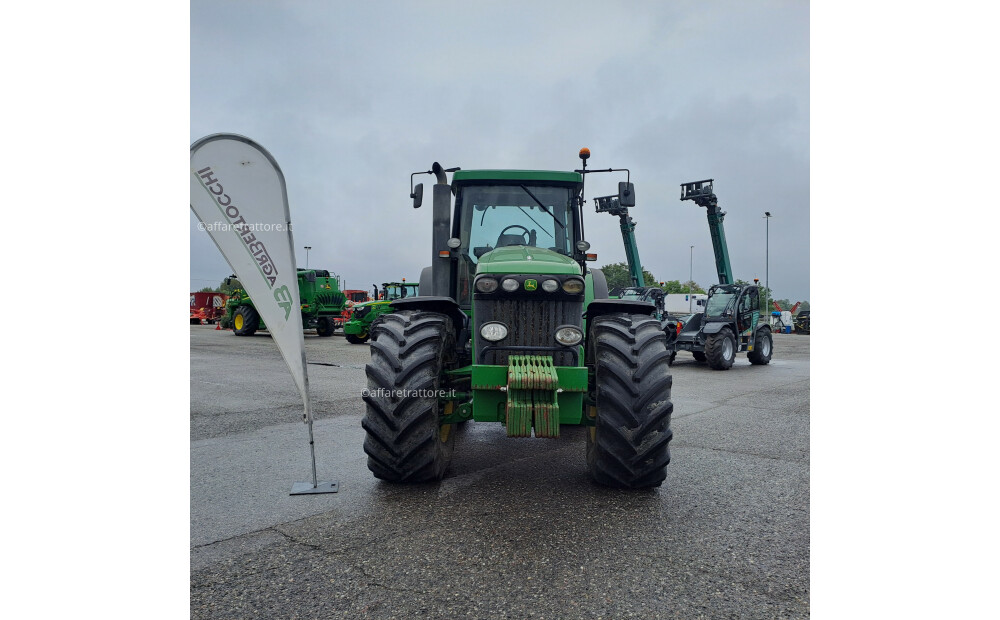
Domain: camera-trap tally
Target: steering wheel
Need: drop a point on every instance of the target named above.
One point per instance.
(526, 234)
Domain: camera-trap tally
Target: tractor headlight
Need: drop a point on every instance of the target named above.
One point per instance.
(569, 335)
(510, 285)
(493, 331)
(486, 285)
(550, 286)
(573, 286)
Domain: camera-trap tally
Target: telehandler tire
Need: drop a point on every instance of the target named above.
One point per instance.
(405, 441)
(628, 445)
(699, 356)
(763, 347)
(720, 350)
(245, 321)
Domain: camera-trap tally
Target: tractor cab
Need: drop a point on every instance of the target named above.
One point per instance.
(651, 294)
(507, 223)
(398, 290)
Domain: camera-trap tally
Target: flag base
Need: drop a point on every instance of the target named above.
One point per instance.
(305, 488)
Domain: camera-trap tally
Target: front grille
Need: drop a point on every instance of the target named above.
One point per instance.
(360, 311)
(529, 322)
(330, 299)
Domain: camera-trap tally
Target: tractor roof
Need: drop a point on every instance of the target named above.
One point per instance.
(463, 177)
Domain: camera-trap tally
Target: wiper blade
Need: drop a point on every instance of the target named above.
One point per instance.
(543, 207)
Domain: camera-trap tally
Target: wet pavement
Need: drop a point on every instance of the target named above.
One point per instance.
(516, 529)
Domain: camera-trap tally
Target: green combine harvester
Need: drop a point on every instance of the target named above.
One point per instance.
(513, 327)
(358, 328)
(322, 303)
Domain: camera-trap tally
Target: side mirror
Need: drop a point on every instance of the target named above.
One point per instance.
(626, 194)
(418, 195)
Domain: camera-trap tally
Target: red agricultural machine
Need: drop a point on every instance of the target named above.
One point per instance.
(354, 296)
(207, 308)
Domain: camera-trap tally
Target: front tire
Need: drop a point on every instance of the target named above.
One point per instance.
(324, 326)
(627, 446)
(245, 321)
(405, 441)
(360, 339)
(763, 347)
(720, 350)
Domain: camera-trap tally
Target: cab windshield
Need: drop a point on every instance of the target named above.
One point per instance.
(496, 216)
(394, 291)
(721, 300)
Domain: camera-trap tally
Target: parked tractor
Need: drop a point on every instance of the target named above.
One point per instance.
(513, 327)
(652, 294)
(730, 322)
(358, 328)
(322, 303)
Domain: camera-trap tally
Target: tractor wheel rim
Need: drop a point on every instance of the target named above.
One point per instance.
(727, 349)
(238, 321)
(765, 348)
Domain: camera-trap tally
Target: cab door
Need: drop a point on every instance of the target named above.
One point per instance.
(747, 309)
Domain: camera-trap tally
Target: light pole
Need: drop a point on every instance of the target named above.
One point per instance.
(767, 261)
(690, 280)
(307, 247)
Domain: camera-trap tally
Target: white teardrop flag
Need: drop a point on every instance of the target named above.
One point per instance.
(238, 193)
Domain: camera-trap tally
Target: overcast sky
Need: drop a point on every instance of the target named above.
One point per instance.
(350, 98)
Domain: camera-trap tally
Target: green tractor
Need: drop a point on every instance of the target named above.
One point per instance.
(322, 303)
(513, 327)
(365, 315)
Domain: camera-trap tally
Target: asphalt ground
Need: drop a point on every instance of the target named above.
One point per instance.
(516, 529)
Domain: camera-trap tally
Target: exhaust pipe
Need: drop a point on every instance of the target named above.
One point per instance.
(440, 266)
(439, 173)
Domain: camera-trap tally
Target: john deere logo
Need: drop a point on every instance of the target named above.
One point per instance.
(530, 285)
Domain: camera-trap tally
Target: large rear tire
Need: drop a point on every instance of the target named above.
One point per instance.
(720, 350)
(245, 321)
(405, 441)
(372, 332)
(763, 347)
(627, 446)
